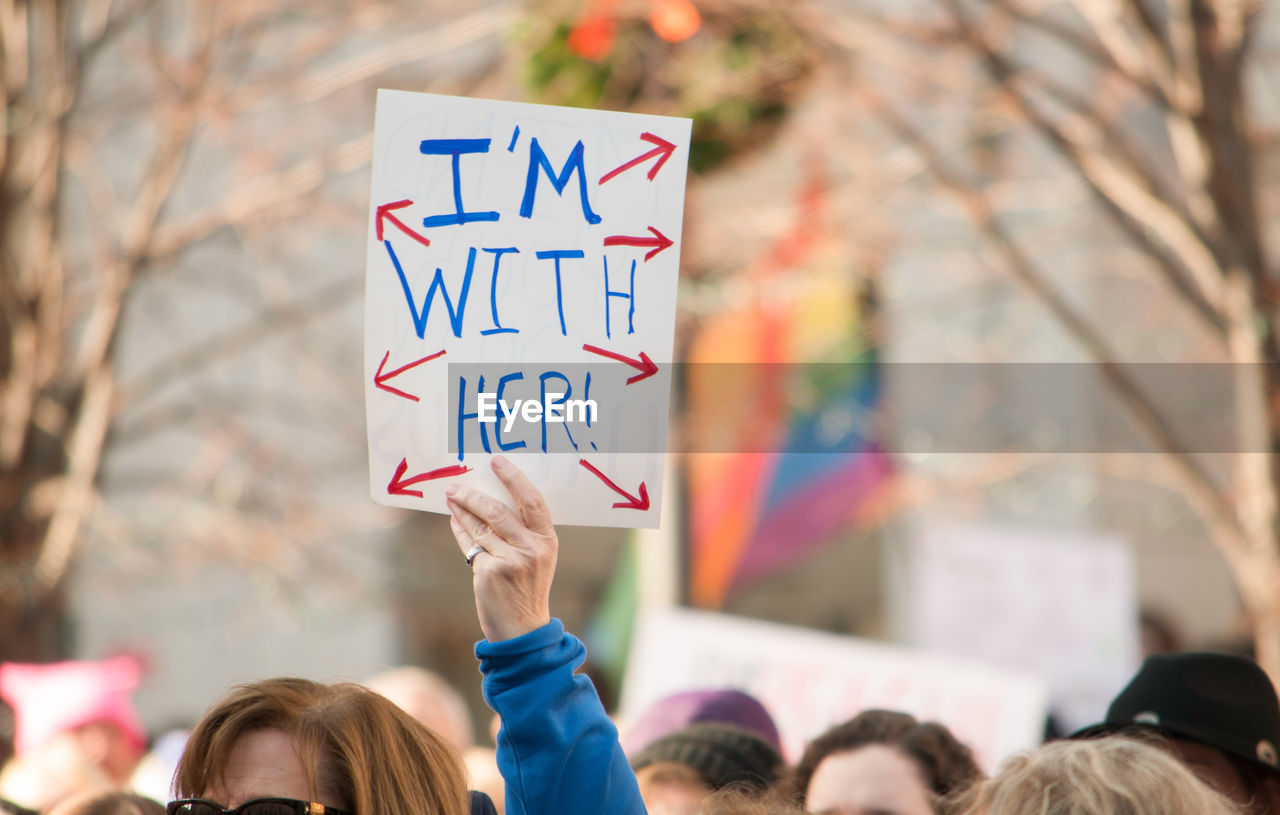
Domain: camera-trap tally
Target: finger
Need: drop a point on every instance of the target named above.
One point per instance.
(492, 512)
(460, 534)
(465, 542)
(530, 503)
(477, 531)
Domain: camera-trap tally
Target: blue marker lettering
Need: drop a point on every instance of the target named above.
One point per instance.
(563, 398)
(538, 159)
(437, 283)
(497, 431)
(493, 293)
(463, 416)
(557, 254)
(629, 296)
(455, 148)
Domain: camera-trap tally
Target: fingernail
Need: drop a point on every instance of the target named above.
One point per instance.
(451, 490)
(500, 463)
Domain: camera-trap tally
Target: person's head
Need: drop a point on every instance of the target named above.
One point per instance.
(1107, 776)
(429, 698)
(679, 770)
(342, 746)
(1218, 714)
(882, 761)
(81, 709)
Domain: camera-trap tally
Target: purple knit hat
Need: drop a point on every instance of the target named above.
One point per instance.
(680, 710)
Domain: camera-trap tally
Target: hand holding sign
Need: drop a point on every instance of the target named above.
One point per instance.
(513, 572)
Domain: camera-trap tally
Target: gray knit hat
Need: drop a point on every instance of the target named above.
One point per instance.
(722, 755)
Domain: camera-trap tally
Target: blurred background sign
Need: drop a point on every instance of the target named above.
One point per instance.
(1057, 605)
(810, 680)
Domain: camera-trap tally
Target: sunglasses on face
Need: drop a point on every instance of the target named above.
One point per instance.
(258, 806)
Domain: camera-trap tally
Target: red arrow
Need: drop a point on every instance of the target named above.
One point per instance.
(384, 212)
(632, 502)
(659, 242)
(380, 379)
(644, 365)
(663, 151)
(398, 487)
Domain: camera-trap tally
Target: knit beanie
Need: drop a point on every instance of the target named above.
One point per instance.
(725, 705)
(722, 756)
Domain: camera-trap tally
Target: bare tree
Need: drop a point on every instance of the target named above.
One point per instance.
(139, 133)
(1155, 108)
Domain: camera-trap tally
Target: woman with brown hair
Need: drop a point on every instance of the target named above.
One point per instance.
(296, 747)
(882, 761)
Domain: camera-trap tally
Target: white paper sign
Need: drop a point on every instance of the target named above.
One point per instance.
(810, 680)
(520, 299)
(1062, 606)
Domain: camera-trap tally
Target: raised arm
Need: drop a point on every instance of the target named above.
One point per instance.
(557, 749)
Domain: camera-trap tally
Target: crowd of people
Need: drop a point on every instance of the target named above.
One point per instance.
(1191, 734)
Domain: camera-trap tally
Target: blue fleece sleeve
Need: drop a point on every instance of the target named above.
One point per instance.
(557, 750)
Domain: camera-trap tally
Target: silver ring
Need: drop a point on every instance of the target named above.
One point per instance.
(473, 551)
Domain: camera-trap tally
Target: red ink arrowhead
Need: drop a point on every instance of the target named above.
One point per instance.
(632, 502)
(399, 487)
(380, 379)
(384, 213)
(644, 365)
(663, 152)
(659, 241)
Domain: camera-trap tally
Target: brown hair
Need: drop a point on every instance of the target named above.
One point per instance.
(946, 765)
(356, 746)
(1107, 776)
(738, 802)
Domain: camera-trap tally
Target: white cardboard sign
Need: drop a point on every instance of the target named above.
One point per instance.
(520, 300)
(1063, 606)
(810, 680)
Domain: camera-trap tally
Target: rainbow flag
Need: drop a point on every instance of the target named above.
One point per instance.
(799, 459)
(795, 461)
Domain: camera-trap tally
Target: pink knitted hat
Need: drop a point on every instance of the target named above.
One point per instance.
(54, 698)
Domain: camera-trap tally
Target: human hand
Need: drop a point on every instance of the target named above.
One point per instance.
(513, 571)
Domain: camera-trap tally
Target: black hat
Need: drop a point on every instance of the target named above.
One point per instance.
(722, 755)
(1223, 701)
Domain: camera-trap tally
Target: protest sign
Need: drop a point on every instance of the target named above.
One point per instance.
(520, 300)
(810, 680)
(1061, 605)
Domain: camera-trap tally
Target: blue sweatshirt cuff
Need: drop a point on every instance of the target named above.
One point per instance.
(548, 634)
(509, 664)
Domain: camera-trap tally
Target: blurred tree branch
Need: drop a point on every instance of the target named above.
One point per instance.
(107, 103)
(1147, 104)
